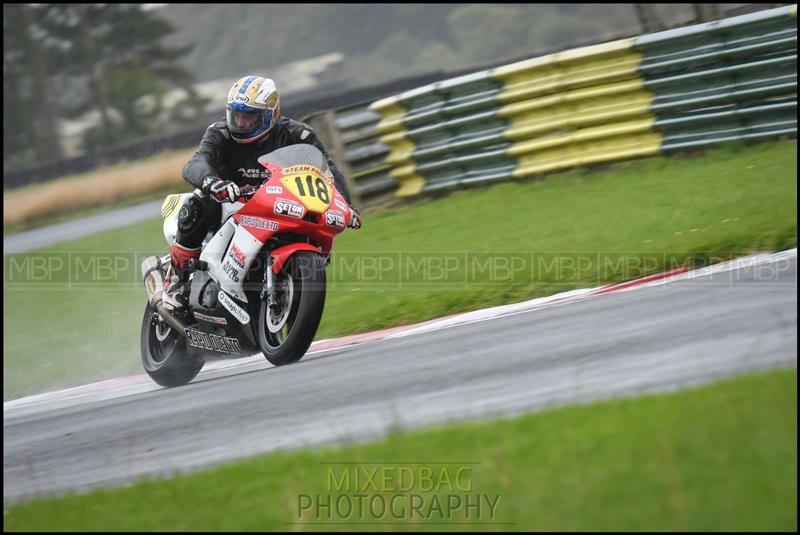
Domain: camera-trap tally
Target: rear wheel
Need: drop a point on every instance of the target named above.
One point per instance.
(164, 354)
(287, 326)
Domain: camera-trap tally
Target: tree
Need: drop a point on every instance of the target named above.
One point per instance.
(32, 60)
(61, 61)
(117, 52)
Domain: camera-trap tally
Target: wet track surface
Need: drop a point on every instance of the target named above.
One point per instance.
(653, 339)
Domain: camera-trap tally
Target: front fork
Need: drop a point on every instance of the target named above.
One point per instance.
(281, 255)
(268, 289)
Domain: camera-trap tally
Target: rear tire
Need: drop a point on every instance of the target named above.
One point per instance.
(164, 354)
(302, 281)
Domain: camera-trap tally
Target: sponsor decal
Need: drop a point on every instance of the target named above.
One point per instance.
(241, 98)
(274, 189)
(237, 311)
(259, 223)
(212, 319)
(237, 255)
(302, 169)
(221, 344)
(289, 208)
(334, 218)
(254, 173)
(231, 271)
(169, 205)
(342, 205)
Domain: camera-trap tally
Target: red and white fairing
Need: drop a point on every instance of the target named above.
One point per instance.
(299, 199)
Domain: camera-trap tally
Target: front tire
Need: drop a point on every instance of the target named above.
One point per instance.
(286, 330)
(164, 354)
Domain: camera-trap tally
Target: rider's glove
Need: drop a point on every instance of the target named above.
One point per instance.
(221, 190)
(355, 219)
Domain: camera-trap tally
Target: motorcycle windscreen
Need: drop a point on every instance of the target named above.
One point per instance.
(302, 169)
(298, 154)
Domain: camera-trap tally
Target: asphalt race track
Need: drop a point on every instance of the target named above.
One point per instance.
(655, 338)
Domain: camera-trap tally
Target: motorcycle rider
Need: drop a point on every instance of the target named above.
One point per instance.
(226, 159)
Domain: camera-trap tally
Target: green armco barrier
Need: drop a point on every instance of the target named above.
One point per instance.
(513, 121)
(730, 79)
(749, 121)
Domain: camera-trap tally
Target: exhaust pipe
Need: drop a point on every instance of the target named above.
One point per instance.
(154, 286)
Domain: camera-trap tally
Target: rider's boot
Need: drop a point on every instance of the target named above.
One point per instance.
(176, 282)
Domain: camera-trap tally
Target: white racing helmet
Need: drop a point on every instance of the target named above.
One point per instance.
(252, 109)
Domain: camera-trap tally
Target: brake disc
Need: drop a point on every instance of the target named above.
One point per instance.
(277, 320)
(162, 331)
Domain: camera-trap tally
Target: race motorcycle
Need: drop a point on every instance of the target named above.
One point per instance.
(259, 283)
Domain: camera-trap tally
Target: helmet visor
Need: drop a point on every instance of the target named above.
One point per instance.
(245, 121)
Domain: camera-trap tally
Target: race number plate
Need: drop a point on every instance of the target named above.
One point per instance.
(309, 185)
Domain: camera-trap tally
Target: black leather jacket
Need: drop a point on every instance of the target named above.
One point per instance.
(219, 155)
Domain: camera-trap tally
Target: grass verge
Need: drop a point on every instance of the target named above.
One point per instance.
(73, 214)
(66, 198)
(720, 457)
(78, 321)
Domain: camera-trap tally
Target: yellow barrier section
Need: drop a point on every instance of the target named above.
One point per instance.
(582, 67)
(577, 107)
(410, 182)
(586, 146)
(392, 113)
(401, 147)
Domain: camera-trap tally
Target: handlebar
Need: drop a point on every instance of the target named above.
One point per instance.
(246, 191)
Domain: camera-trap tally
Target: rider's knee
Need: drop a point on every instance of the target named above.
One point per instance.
(194, 220)
(190, 214)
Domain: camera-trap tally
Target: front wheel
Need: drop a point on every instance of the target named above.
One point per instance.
(164, 354)
(287, 326)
